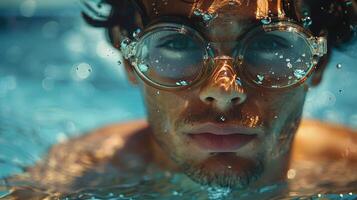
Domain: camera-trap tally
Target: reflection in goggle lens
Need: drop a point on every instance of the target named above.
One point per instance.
(277, 59)
(170, 58)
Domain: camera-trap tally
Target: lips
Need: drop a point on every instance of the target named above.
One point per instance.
(214, 137)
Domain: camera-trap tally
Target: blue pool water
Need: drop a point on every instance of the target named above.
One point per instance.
(59, 78)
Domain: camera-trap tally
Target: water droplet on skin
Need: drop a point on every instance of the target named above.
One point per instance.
(207, 17)
(197, 12)
(239, 82)
(299, 73)
(260, 78)
(143, 67)
(222, 118)
(339, 66)
(266, 20)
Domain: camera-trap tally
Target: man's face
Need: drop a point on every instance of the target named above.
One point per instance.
(221, 132)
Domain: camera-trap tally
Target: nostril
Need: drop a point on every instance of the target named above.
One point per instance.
(209, 99)
(235, 100)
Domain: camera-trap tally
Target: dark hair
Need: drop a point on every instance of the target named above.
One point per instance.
(337, 18)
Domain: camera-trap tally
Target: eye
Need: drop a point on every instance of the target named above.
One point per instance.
(269, 43)
(177, 43)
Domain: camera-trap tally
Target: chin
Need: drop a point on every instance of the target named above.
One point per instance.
(225, 170)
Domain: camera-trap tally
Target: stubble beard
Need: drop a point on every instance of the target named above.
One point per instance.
(226, 177)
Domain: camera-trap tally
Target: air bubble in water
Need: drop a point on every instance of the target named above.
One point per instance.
(339, 66)
(143, 67)
(299, 73)
(83, 70)
(266, 20)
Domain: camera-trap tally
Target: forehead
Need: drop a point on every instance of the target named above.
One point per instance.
(232, 16)
(239, 8)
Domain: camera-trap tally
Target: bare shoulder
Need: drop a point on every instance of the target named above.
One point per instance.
(321, 140)
(86, 157)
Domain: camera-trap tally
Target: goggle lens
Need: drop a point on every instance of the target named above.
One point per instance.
(277, 59)
(170, 58)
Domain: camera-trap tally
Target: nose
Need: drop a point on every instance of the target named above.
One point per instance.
(223, 89)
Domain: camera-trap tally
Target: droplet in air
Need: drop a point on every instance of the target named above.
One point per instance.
(83, 70)
(299, 73)
(281, 56)
(266, 20)
(229, 167)
(339, 66)
(289, 65)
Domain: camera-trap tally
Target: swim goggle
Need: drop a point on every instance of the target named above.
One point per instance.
(175, 56)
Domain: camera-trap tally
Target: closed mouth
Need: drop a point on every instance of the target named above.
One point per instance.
(221, 138)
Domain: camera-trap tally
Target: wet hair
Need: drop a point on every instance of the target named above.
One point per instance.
(336, 18)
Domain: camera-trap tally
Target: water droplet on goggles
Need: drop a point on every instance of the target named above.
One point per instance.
(266, 20)
(306, 21)
(299, 73)
(143, 67)
(136, 33)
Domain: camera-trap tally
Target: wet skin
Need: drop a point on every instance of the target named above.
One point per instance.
(271, 117)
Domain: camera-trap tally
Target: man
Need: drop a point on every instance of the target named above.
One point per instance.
(224, 83)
